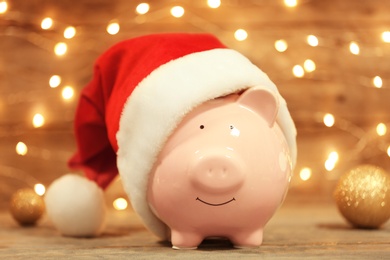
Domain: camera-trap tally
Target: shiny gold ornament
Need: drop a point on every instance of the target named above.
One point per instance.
(363, 196)
(26, 207)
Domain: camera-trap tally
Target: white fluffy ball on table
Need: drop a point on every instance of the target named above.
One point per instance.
(76, 206)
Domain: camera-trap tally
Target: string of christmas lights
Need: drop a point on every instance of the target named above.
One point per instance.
(309, 66)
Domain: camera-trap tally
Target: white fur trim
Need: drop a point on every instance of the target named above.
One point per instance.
(76, 206)
(160, 102)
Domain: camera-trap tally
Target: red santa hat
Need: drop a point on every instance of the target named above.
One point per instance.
(141, 90)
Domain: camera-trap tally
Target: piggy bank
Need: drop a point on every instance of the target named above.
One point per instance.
(202, 140)
(223, 172)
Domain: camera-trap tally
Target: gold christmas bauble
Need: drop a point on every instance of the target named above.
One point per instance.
(363, 196)
(26, 207)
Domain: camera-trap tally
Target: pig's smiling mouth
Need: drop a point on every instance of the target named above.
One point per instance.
(218, 204)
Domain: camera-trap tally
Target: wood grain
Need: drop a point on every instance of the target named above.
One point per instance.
(300, 229)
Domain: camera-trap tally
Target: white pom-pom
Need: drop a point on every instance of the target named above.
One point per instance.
(76, 206)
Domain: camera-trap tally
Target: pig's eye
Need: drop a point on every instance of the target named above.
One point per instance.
(234, 131)
(201, 126)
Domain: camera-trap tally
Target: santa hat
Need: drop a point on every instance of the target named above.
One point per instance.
(141, 90)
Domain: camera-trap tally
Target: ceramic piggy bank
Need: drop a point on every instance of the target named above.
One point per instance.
(202, 140)
(223, 172)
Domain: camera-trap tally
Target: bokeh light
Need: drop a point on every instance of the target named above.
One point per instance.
(214, 3)
(46, 23)
(177, 11)
(312, 40)
(60, 49)
(329, 120)
(67, 92)
(39, 189)
(142, 8)
(54, 81)
(3, 7)
(113, 28)
(38, 120)
(120, 204)
(377, 82)
(291, 3)
(298, 71)
(305, 174)
(330, 163)
(381, 129)
(21, 148)
(386, 36)
(354, 48)
(309, 65)
(69, 32)
(240, 35)
(281, 45)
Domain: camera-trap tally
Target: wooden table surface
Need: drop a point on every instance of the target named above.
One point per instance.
(299, 230)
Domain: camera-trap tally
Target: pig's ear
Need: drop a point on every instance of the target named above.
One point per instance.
(262, 101)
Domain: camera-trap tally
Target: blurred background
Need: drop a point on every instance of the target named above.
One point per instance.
(330, 60)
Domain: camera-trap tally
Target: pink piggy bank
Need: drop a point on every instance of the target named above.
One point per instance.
(223, 172)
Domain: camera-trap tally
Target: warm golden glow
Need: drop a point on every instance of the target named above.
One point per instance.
(305, 174)
(113, 28)
(38, 120)
(298, 71)
(381, 129)
(312, 40)
(354, 48)
(388, 150)
(386, 36)
(290, 3)
(21, 148)
(330, 163)
(240, 35)
(377, 82)
(67, 92)
(309, 65)
(329, 120)
(177, 11)
(333, 156)
(142, 8)
(3, 7)
(214, 3)
(281, 45)
(60, 49)
(46, 23)
(54, 81)
(69, 32)
(39, 189)
(120, 204)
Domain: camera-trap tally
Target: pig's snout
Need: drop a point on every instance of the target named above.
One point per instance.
(217, 171)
